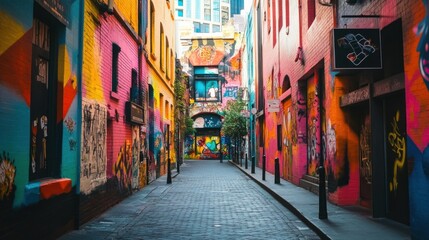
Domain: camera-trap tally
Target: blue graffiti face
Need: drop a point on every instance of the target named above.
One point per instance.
(423, 46)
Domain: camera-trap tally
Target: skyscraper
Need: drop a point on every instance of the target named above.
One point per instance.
(205, 16)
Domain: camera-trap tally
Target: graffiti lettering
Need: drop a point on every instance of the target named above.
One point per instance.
(365, 160)
(397, 142)
(231, 92)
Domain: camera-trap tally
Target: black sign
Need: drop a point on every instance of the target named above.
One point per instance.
(134, 113)
(58, 8)
(356, 49)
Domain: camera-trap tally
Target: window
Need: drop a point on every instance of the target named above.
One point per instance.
(225, 15)
(171, 112)
(162, 49)
(197, 9)
(268, 16)
(207, 90)
(207, 10)
(206, 84)
(134, 93)
(115, 57)
(172, 63)
(188, 8)
(167, 60)
(152, 29)
(216, 28)
(161, 106)
(167, 109)
(180, 3)
(280, 14)
(311, 4)
(274, 23)
(43, 145)
(197, 27)
(179, 13)
(205, 28)
(287, 13)
(216, 11)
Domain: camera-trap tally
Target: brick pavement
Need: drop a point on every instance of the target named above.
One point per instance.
(207, 200)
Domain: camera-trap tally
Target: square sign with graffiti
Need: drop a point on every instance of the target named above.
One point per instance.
(356, 48)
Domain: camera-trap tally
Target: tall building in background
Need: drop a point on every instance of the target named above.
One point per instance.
(205, 16)
(236, 6)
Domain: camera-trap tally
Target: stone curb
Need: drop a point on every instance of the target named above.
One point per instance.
(286, 204)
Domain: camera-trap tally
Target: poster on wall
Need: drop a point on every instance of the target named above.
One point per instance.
(356, 48)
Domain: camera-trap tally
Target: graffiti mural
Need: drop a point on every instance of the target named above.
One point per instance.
(396, 161)
(208, 121)
(417, 138)
(123, 167)
(7, 181)
(189, 149)
(422, 47)
(200, 107)
(313, 147)
(143, 161)
(287, 140)
(208, 147)
(299, 117)
(135, 156)
(70, 126)
(93, 151)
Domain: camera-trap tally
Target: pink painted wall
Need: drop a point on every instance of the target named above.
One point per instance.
(99, 36)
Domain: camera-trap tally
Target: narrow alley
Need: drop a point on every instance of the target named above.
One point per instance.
(207, 200)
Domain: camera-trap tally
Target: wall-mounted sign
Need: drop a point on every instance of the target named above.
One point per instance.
(356, 48)
(134, 113)
(58, 8)
(273, 105)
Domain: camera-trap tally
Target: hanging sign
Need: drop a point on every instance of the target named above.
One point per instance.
(356, 48)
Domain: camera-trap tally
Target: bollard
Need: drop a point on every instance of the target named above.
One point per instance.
(277, 171)
(168, 171)
(253, 164)
(323, 213)
(245, 161)
(264, 159)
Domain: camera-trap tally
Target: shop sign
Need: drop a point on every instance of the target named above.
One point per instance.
(356, 48)
(134, 113)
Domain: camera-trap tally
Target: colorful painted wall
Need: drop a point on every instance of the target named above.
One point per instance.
(345, 132)
(224, 55)
(107, 137)
(16, 24)
(417, 100)
(160, 47)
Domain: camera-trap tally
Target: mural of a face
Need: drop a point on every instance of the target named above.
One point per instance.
(423, 46)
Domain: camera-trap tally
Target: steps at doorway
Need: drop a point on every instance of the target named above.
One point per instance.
(311, 183)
